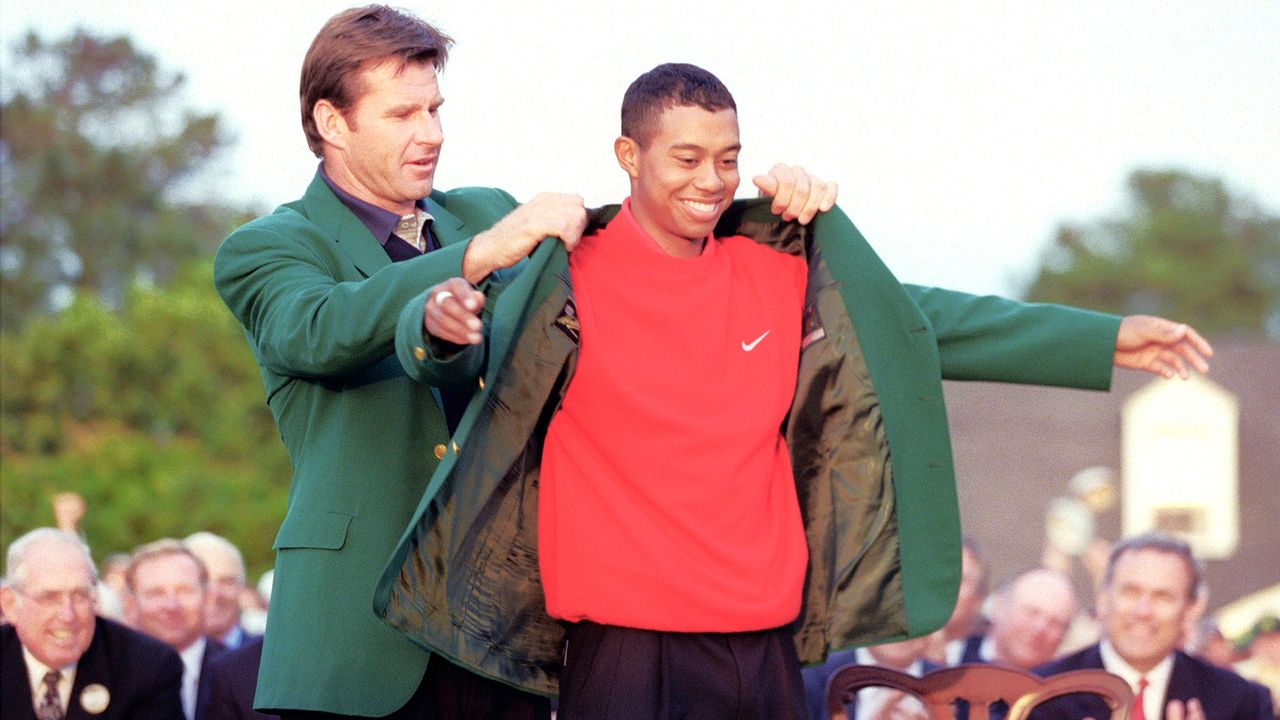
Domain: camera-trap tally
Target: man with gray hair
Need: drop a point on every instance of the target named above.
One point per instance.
(1029, 617)
(57, 660)
(226, 583)
(1147, 592)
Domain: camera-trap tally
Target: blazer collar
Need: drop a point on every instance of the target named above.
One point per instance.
(324, 209)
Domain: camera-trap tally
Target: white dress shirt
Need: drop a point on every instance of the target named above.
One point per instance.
(36, 671)
(192, 658)
(1157, 678)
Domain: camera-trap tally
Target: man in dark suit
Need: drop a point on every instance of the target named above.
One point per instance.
(318, 286)
(233, 678)
(57, 660)
(166, 590)
(1147, 592)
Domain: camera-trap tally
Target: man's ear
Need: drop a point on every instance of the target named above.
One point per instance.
(331, 123)
(628, 152)
(8, 598)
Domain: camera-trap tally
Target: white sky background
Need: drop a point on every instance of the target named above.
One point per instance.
(961, 133)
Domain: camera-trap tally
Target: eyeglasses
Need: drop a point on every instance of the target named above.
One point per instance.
(80, 598)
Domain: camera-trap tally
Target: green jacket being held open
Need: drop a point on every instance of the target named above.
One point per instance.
(867, 434)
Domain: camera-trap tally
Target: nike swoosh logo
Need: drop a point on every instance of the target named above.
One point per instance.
(749, 346)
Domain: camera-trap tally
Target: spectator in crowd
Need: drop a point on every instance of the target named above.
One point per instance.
(226, 583)
(1262, 644)
(1210, 645)
(1029, 617)
(57, 660)
(947, 643)
(1148, 590)
(233, 680)
(872, 703)
(167, 588)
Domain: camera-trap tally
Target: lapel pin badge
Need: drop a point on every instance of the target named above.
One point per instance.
(95, 698)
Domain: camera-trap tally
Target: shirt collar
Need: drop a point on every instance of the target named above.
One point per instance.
(381, 223)
(628, 217)
(192, 655)
(36, 671)
(1157, 678)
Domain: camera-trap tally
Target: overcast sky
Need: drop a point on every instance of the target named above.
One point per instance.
(961, 133)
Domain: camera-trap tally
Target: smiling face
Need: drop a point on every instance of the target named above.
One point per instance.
(52, 608)
(169, 599)
(684, 177)
(1145, 604)
(384, 149)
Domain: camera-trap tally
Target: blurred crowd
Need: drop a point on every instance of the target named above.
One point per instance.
(187, 608)
(1034, 622)
(171, 629)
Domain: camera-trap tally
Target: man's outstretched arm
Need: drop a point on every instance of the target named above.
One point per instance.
(1161, 347)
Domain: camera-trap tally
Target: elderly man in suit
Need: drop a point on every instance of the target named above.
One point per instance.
(225, 565)
(1147, 592)
(57, 660)
(1029, 617)
(318, 286)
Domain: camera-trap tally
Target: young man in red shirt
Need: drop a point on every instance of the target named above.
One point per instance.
(669, 534)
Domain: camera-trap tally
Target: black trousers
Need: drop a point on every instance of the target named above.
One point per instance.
(449, 692)
(616, 673)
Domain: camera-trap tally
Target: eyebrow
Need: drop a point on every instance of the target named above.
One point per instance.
(694, 146)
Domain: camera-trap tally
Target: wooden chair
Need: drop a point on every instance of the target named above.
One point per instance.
(980, 686)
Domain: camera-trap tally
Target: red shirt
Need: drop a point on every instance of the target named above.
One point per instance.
(667, 500)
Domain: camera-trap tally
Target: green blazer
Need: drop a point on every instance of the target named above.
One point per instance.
(318, 298)
(867, 434)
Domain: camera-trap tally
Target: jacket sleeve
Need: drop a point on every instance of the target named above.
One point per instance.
(431, 363)
(278, 277)
(1000, 340)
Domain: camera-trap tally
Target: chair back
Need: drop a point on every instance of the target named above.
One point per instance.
(979, 685)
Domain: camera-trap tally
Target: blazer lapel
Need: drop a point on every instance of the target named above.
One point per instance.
(92, 669)
(352, 237)
(446, 226)
(14, 678)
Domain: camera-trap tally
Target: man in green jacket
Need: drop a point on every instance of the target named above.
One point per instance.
(318, 285)
(869, 470)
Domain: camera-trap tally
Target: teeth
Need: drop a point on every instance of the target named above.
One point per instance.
(700, 206)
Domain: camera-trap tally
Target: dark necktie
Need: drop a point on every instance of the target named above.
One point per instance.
(1139, 713)
(51, 704)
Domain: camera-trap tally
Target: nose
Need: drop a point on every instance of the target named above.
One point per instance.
(708, 178)
(67, 607)
(430, 131)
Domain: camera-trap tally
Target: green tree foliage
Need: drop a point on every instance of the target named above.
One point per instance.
(153, 412)
(95, 147)
(1187, 248)
(122, 375)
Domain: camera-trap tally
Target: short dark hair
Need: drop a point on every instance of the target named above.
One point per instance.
(353, 41)
(667, 86)
(1158, 542)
